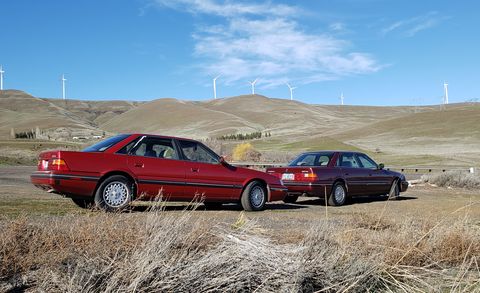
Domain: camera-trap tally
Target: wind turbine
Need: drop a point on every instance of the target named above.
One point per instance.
(1, 77)
(341, 99)
(253, 85)
(63, 85)
(445, 98)
(215, 87)
(291, 90)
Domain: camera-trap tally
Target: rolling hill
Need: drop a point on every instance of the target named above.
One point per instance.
(403, 135)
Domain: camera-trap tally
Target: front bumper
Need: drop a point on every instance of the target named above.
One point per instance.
(403, 186)
(277, 192)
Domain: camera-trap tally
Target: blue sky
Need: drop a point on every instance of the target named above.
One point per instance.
(377, 52)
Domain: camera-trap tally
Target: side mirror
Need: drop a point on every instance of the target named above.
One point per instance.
(222, 160)
(381, 166)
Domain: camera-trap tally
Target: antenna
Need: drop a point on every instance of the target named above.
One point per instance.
(1, 77)
(253, 85)
(63, 85)
(291, 90)
(341, 99)
(445, 98)
(215, 87)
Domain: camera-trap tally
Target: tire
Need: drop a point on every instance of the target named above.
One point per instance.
(114, 194)
(212, 205)
(338, 196)
(394, 190)
(254, 197)
(290, 199)
(84, 203)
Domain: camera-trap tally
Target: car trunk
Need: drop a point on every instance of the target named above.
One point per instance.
(293, 173)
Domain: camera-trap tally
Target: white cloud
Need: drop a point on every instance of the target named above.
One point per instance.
(411, 26)
(264, 40)
(229, 8)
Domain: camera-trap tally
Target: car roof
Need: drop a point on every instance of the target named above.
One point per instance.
(162, 136)
(332, 151)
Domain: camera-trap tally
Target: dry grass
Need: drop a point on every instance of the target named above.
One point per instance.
(454, 179)
(164, 251)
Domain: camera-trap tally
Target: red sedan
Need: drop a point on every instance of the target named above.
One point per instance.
(338, 175)
(112, 173)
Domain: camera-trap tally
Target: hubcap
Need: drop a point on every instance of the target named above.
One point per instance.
(257, 196)
(115, 194)
(339, 194)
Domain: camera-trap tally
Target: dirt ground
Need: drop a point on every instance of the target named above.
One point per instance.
(18, 197)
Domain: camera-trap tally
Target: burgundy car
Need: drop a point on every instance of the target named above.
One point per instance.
(112, 173)
(338, 175)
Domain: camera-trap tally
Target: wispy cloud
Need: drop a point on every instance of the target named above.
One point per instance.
(411, 26)
(266, 40)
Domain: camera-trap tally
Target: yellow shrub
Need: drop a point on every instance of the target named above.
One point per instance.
(240, 151)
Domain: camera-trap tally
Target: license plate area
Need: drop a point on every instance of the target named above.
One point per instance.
(288, 176)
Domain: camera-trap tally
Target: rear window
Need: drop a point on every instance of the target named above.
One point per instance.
(312, 160)
(105, 144)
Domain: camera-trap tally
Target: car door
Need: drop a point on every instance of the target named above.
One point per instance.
(353, 174)
(205, 175)
(378, 180)
(159, 171)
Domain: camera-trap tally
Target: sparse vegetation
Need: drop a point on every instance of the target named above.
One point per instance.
(454, 179)
(164, 251)
(246, 136)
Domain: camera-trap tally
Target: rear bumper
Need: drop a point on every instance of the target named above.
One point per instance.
(307, 188)
(65, 184)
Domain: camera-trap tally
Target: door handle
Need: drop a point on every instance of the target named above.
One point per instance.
(194, 169)
(138, 165)
(346, 174)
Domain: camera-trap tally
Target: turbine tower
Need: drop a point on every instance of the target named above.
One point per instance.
(341, 99)
(1, 77)
(445, 98)
(63, 85)
(291, 90)
(215, 87)
(253, 85)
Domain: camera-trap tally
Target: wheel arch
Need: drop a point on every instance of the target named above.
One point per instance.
(263, 181)
(341, 180)
(121, 173)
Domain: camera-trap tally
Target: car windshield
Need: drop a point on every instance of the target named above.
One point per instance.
(313, 159)
(105, 144)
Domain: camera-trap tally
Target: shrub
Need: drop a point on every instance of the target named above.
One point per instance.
(454, 179)
(161, 251)
(245, 152)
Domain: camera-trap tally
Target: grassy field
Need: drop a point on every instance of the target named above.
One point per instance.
(428, 241)
(25, 152)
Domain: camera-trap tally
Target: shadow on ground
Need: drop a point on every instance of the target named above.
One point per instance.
(354, 200)
(224, 207)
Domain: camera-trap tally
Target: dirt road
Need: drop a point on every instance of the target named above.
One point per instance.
(18, 196)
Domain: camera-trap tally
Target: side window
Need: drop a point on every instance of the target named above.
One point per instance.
(307, 160)
(196, 152)
(323, 160)
(348, 160)
(126, 149)
(366, 162)
(156, 148)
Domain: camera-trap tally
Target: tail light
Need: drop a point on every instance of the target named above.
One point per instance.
(58, 165)
(306, 176)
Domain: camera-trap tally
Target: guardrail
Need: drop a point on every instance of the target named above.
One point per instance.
(412, 169)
